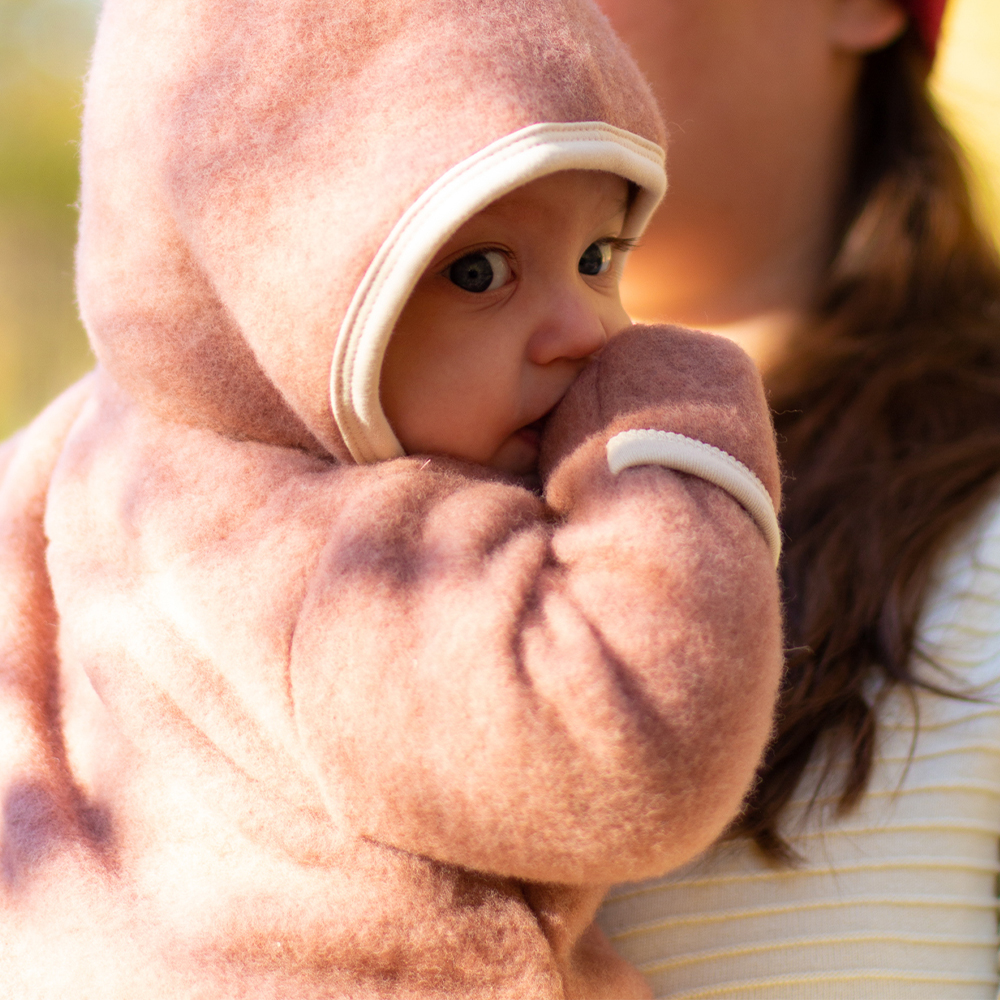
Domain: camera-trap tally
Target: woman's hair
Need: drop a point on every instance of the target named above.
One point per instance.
(888, 420)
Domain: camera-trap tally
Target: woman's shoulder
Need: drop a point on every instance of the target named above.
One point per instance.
(959, 630)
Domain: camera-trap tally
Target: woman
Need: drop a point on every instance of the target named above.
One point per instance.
(818, 214)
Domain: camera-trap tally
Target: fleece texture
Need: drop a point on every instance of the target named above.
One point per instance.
(279, 724)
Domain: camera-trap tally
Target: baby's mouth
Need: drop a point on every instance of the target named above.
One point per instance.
(532, 433)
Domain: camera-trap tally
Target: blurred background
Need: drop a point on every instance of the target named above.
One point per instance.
(43, 56)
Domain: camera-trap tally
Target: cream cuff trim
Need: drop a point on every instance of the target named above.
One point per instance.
(455, 197)
(675, 451)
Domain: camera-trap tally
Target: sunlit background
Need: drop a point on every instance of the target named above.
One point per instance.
(43, 56)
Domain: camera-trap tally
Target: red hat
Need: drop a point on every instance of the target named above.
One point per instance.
(927, 16)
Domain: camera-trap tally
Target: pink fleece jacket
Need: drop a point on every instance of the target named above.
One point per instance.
(284, 715)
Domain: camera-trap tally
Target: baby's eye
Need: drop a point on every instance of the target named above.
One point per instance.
(596, 259)
(480, 272)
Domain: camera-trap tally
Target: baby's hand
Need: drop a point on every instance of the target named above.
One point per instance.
(662, 378)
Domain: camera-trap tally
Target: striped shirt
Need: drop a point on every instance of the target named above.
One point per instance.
(898, 898)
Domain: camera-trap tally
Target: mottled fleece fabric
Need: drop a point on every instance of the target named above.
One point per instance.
(280, 721)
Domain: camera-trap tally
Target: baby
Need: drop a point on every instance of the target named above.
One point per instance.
(383, 596)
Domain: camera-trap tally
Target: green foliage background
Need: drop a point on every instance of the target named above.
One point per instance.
(43, 57)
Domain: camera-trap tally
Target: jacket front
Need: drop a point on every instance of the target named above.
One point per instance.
(286, 711)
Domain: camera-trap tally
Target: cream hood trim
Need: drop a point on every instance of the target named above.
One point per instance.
(454, 198)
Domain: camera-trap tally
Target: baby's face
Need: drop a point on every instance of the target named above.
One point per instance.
(505, 318)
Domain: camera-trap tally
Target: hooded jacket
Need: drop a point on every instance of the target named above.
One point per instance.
(287, 713)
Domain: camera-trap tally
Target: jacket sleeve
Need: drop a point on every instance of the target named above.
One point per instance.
(575, 688)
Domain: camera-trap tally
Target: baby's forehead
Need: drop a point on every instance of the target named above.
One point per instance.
(570, 200)
(574, 191)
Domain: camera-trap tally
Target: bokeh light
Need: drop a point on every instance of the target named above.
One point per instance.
(43, 56)
(966, 82)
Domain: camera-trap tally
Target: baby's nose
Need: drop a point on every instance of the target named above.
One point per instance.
(569, 328)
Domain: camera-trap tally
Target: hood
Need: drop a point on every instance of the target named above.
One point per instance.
(264, 182)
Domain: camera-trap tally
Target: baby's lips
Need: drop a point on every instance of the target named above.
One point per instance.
(533, 432)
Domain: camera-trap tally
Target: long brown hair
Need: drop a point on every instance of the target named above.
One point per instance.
(888, 416)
